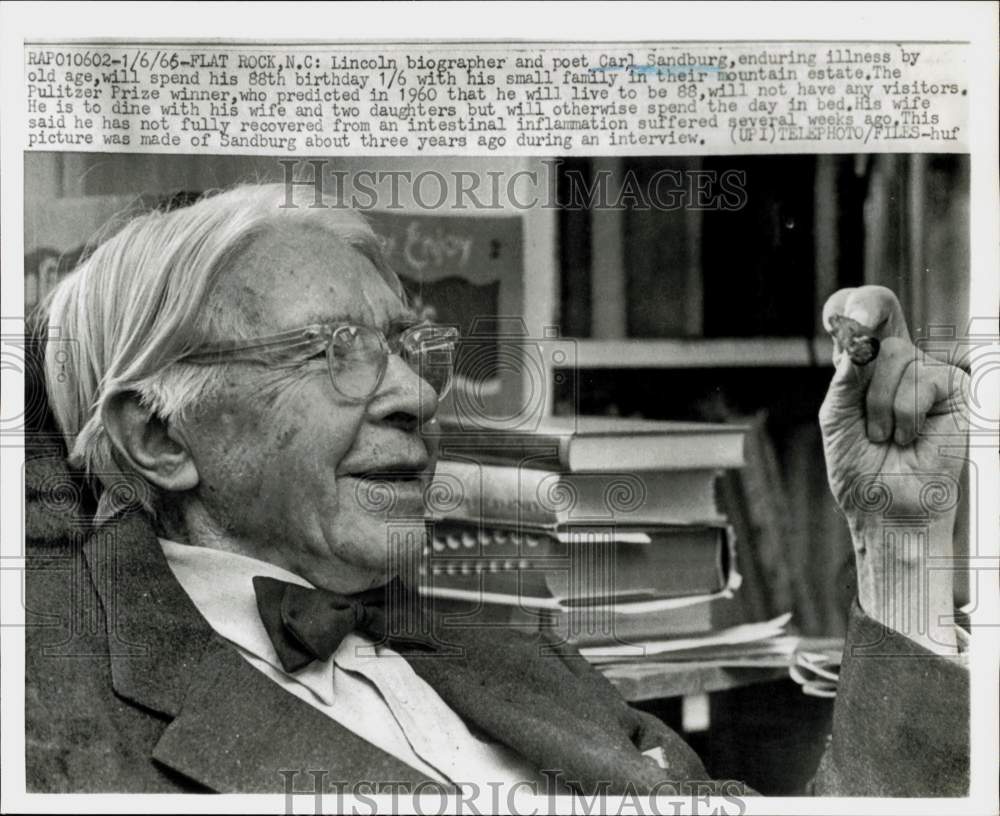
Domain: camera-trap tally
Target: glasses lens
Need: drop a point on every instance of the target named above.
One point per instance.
(430, 352)
(357, 357)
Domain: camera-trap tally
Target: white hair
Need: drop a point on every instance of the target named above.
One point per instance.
(140, 302)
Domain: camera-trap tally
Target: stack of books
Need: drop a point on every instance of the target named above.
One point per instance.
(607, 529)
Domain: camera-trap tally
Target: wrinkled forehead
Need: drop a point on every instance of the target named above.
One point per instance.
(296, 274)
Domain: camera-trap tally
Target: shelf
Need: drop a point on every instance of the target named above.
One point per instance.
(738, 352)
(643, 682)
(649, 680)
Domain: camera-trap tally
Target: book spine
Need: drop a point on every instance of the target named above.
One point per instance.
(507, 495)
(534, 451)
(491, 494)
(528, 456)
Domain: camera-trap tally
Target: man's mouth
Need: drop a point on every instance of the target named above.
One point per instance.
(399, 472)
(391, 489)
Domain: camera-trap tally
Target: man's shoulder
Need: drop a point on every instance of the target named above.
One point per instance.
(79, 734)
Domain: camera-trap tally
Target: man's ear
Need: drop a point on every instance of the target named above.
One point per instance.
(150, 445)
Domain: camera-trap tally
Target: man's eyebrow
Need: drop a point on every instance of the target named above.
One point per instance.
(399, 322)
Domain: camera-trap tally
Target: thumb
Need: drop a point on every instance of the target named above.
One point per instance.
(845, 397)
(877, 309)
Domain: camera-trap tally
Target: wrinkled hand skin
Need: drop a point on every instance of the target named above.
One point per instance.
(890, 417)
(893, 431)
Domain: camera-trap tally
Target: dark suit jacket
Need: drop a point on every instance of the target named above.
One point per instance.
(129, 689)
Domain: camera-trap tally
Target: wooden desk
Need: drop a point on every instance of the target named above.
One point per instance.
(650, 680)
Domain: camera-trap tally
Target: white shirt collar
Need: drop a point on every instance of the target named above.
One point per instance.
(220, 584)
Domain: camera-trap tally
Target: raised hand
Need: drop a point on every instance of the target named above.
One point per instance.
(893, 435)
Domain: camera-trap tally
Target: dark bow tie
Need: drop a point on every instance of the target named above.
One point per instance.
(309, 624)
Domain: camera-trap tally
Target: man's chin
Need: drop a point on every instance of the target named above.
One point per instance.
(403, 543)
(367, 552)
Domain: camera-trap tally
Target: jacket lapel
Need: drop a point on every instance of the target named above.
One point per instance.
(233, 729)
(156, 635)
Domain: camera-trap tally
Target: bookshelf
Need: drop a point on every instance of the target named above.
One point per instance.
(691, 314)
(704, 353)
(746, 287)
(635, 289)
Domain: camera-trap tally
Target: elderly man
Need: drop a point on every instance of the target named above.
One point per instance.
(250, 364)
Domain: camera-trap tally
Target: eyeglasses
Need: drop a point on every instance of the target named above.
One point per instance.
(356, 356)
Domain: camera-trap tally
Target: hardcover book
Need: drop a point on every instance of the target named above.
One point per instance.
(544, 498)
(596, 444)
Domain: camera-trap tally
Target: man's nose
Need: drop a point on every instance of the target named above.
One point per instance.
(404, 397)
